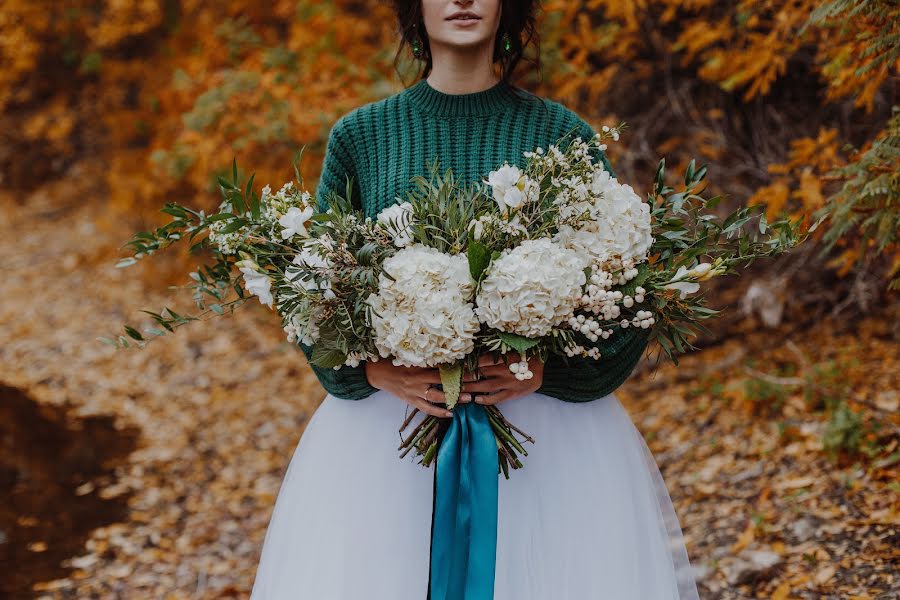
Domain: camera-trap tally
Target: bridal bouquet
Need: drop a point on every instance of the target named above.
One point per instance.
(555, 258)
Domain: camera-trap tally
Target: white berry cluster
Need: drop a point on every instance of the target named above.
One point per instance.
(531, 288)
(521, 370)
(589, 327)
(600, 300)
(643, 319)
(422, 314)
(579, 350)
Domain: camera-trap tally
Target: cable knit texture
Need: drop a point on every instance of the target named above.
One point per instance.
(378, 147)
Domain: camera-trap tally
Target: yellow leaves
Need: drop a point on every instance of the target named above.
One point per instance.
(782, 592)
(54, 125)
(801, 177)
(810, 191)
(122, 19)
(699, 36)
(852, 60)
(746, 538)
(773, 196)
(845, 261)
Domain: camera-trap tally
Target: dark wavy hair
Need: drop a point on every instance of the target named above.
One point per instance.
(517, 18)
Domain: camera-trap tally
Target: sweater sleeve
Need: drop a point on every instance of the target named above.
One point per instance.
(582, 379)
(349, 383)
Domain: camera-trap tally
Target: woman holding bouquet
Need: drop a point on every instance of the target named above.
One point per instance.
(588, 516)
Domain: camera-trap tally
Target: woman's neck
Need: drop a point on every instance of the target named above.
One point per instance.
(458, 70)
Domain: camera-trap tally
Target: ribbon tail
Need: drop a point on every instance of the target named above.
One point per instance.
(464, 533)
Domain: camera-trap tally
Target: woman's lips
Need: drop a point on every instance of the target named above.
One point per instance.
(464, 22)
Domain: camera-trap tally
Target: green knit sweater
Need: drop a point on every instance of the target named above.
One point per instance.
(382, 144)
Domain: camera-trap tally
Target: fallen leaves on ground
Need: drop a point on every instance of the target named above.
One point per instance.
(767, 513)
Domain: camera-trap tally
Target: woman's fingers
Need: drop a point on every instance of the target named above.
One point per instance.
(500, 370)
(429, 408)
(438, 397)
(484, 385)
(489, 399)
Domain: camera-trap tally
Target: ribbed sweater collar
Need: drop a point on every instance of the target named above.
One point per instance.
(495, 99)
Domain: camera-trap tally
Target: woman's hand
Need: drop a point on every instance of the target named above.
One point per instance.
(412, 384)
(498, 383)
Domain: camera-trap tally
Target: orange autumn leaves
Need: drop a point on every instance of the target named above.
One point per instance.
(166, 98)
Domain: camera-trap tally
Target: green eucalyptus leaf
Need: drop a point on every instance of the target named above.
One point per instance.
(519, 343)
(451, 380)
(479, 257)
(133, 333)
(327, 358)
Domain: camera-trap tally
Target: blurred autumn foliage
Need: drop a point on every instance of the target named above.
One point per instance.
(789, 102)
(109, 108)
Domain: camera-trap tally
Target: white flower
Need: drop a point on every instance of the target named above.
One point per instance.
(511, 188)
(295, 330)
(424, 316)
(512, 227)
(679, 282)
(256, 283)
(619, 231)
(294, 221)
(706, 271)
(477, 227)
(531, 288)
(396, 219)
(310, 263)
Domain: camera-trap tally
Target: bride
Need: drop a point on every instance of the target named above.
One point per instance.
(588, 516)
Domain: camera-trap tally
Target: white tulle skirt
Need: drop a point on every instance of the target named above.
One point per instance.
(588, 517)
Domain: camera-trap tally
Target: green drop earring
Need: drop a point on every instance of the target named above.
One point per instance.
(506, 43)
(416, 43)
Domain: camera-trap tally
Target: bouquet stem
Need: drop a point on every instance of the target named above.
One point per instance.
(425, 438)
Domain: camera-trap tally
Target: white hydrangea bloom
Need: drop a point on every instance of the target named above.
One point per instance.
(396, 219)
(531, 288)
(619, 233)
(424, 315)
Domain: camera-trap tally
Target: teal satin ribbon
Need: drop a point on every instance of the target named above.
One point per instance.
(464, 529)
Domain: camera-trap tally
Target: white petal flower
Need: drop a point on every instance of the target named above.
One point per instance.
(310, 272)
(396, 219)
(699, 271)
(257, 283)
(680, 282)
(294, 221)
(510, 187)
